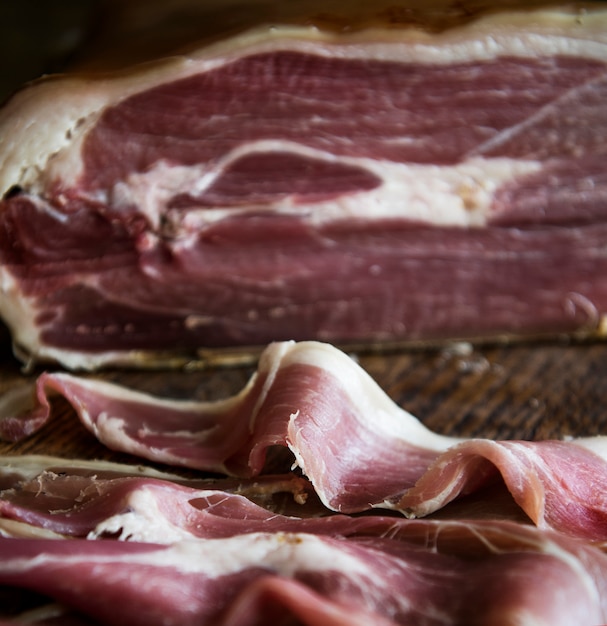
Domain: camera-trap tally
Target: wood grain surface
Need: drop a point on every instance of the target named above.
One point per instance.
(503, 392)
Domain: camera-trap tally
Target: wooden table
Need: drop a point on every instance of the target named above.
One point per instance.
(535, 391)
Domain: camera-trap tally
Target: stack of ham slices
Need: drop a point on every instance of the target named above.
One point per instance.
(407, 175)
(318, 501)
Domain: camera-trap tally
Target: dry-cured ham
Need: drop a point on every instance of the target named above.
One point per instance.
(368, 184)
(304, 396)
(554, 482)
(355, 445)
(45, 495)
(223, 559)
(80, 499)
(436, 573)
(68, 503)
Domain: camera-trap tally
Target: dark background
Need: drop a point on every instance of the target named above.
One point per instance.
(39, 37)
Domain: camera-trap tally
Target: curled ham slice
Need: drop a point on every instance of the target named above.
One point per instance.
(356, 446)
(554, 482)
(308, 396)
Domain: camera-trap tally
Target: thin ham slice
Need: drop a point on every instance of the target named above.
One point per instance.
(377, 182)
(554, 482)
(147, 509)
(355, 445)
(68, 502)
(439, 572)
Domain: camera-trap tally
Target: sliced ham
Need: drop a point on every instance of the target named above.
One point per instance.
(309, 397)
(439, 572)
(556, 483)
(353, 185)
(355, 445)
(134, 506)
(157, 510)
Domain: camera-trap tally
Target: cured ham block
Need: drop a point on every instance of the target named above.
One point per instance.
(437, 573)
(359, 450)
(385, 183)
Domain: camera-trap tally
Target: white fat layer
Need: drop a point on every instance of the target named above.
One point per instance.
(598, 445)
(12, 528)
(28, 466)
(124, 394)
(459, 195)
(36, 351)
(42, 128)
(141, 521)
(18, 313)
(283, 553)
